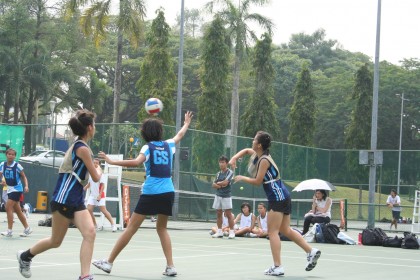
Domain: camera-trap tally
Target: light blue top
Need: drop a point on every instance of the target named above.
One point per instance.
(156, 185)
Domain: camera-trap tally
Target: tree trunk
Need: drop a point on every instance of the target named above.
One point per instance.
(234, 117)
(117, 93)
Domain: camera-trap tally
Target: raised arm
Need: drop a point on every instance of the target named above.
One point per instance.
(240, 154)
(184, 128)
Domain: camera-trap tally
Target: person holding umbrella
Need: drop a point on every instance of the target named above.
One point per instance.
(320, 211)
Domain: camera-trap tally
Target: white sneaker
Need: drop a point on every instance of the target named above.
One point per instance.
(24, 267)
(153, 219)
(313, 257)
(252, 235)
(103, 265)
(218, 234)
(26, 232)
(169, 271)
(7, 233)
(231, 234)
(99, 228)
(274, 271)
(114, 228)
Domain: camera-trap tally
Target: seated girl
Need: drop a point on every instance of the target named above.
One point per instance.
(320, 212)
(246, 221)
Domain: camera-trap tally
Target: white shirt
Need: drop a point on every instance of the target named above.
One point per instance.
(94, 186)
(263, 222)
(394, 200)
(322, 204)
(245, 220)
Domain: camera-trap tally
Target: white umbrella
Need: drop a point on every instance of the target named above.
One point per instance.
(314, 184)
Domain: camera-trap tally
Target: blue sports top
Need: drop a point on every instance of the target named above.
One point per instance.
(158, 165)
(12, 175)
(273, 186)
(69, 190)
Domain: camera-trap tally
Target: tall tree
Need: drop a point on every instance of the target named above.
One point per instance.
(357, 135)
(302, 114)
(157, 76)
(260, 113)
(302, 127)
(213, 103)
(193, 21)
(129, 24)
(358, 131)
(237, 19)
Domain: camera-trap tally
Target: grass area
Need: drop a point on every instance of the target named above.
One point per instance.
(358, 211)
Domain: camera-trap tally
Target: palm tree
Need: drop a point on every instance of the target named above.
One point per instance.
(237, 19)
(129, 23)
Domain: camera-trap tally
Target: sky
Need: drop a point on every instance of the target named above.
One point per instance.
(351, 22)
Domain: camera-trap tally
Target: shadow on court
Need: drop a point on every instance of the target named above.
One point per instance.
(198, 256)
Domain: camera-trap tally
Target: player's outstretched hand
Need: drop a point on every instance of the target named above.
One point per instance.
(103, 156)
(187, 118)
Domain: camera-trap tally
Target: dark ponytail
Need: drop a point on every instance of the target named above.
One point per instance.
(264, 138)
(81, 121)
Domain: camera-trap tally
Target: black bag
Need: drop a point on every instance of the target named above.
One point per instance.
(394, 242)
(330, 232)
(409, 241)
(373, 237)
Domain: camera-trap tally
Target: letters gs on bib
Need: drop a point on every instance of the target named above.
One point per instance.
(160, 157)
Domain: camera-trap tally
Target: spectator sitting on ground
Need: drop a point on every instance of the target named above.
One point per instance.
(261, 230)
(320, 212)
(246, 221)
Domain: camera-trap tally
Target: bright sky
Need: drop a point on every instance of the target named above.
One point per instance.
(351, 22)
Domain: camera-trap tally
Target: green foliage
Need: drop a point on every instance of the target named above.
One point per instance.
(238, 20)
(213, 103)
(260, 113)
(213, 106)
(92, 93)
(358, 132)
(302, 114)
(157, 77)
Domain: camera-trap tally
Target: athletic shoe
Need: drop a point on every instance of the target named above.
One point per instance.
(87, 277)
(169, 271)
(26, 232)
(99, 228)
(114, 228)
(103, 265)
(252, 235)
(7, 233)
(218, 234)
(231, 234)
(313, 257)
(274, 271)
(24, 267)
(153, 219)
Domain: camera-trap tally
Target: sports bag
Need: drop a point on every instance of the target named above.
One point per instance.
(409, 241)
(373, 237)
(394, 242)
(330, 232)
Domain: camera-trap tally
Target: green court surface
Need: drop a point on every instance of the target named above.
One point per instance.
(198, 256)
